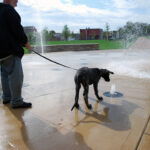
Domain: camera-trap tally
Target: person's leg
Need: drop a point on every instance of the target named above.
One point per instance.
(6, 67)
(15, 84)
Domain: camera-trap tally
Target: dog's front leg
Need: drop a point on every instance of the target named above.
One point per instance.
(86, 90)
(95, 85)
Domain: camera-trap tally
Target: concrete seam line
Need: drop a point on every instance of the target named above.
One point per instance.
(139, 141)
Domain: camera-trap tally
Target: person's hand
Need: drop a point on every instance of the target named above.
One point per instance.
(28, 46)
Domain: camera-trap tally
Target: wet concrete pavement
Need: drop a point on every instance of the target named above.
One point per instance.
(114, 124)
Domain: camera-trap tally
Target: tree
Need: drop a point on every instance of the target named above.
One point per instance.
(51, 34)
(72, 34)
(107, 30)
(31, 37)
(148, 29)
(66, 32)
(133, 30)
(121, 33)
(45, 34)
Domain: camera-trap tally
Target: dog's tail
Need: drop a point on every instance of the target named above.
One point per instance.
(73, 107)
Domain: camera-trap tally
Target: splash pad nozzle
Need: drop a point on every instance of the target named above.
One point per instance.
(112, 93)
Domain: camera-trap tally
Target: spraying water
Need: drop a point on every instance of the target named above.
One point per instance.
(113, 89)
(113, 93)
(39, 21)
(41, 42)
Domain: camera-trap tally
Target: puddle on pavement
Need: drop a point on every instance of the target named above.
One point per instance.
(114, 95)
(83, 64)
(82, 59)
(56, 69)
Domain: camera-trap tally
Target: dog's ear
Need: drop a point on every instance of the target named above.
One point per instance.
(111, 72)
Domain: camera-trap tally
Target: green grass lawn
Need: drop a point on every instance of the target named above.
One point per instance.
(25, 50)
(148, 37)
(103, 44)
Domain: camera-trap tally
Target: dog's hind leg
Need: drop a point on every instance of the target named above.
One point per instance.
(96, 91)
(85, 94)
(78, 86)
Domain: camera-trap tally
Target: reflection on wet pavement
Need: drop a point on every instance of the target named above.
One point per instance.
(113, 124)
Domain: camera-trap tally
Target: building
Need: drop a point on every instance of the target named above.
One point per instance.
(112, 35)
(29, 29)
(115, 35)
(91, 34)
(58, 37)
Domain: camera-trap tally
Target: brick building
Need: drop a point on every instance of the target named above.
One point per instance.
(91, 34)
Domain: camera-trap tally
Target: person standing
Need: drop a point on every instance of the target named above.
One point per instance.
(12, 41)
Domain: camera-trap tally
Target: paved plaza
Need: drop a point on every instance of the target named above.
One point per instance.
(120, 123)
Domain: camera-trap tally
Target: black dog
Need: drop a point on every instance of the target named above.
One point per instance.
(87, 76)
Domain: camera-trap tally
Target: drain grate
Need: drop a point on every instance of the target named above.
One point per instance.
(115, 95)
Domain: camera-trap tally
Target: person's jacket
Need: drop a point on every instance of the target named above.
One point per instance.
(12, 36)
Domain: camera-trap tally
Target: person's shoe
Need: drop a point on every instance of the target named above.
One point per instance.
(23, 105)
(6, 102)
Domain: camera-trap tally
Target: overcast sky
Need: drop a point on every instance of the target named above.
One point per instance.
(77, 14)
